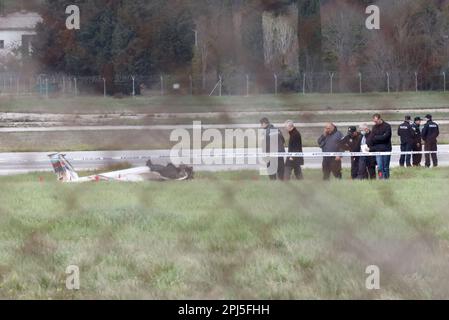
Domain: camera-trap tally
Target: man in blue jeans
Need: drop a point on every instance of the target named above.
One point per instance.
(380, 141)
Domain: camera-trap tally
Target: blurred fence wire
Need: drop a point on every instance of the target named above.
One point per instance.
(49, 85)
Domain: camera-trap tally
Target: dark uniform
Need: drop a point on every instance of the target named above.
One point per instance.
(275, 165)
(405, 131)
(430, 134)
(352, 143)
(294, 163)
(417, 143)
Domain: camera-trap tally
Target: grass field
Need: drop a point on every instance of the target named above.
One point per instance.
(65, 141)
(309, 102)
(227, 235)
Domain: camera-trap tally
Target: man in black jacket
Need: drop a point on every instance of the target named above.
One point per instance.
(330, 142)
(351, 143)
(417, 141)
(405, 132)
(274, 143)
(430, 133)
(380, 141)
(294, 145)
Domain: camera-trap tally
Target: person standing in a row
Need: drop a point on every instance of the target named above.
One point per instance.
(430, 134)
(330, 142)
(367, 164)
(294, 145)
(380, 141)
(274, 143)
(417, 142)
(405, 132)
(352, 143)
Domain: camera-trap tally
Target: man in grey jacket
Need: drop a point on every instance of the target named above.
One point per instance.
(330, 141)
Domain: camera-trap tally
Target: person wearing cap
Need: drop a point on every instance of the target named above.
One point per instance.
(274, 143)
(351, 143)
(430, 133)
(380, 141)
(417, 142)
(330, 141)
(405, 132)
(294, 145)
(367, 164)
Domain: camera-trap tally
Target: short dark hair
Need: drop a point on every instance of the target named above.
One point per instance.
(408, 118)
(377, 115)
(264, 121)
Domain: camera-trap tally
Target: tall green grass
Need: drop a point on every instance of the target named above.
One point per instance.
(226, 235)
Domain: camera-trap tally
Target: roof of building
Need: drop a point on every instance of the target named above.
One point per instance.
(20, 21)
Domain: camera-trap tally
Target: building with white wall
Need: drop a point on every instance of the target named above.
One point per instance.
(17, 30)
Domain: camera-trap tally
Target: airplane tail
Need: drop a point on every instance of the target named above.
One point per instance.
(63, 168)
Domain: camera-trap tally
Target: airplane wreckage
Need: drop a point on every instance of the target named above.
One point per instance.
(65, 172)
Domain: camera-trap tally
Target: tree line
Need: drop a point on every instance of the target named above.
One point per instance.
(208, 38)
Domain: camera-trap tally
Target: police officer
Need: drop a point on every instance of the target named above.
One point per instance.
(406, 133)
(351, 143)
(430, 133)
(417, 142)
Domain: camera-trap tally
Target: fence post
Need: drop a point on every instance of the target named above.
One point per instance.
(104, 87)
(63, 86)
(275, 84)
(162, 85)
(416, 81)
(444, 81)
(191, 84)
(41, 93)
(388, 82)
(46, 88)
(360, 83)
(134, 86)
(18, 86)
(304, 83)
(220, 85)
(75, 81)
(331, 74)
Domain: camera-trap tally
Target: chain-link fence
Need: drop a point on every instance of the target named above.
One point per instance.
(235, 85)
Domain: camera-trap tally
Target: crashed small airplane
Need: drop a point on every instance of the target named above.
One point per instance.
(152, 172)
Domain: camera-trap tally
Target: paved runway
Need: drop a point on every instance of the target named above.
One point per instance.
(182, 126)
(16, 163)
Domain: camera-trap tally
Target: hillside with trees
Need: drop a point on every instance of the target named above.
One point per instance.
(232, 38)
